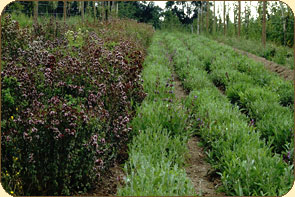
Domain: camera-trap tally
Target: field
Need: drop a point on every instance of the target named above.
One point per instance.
(79, 99)
(279, 54)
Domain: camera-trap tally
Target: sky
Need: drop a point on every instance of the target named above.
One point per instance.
(219, 5)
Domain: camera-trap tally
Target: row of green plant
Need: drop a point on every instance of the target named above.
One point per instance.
(157, 152)
(244, 161)
(67, 96)
(257, 93)
(255, 70)
(280, 54)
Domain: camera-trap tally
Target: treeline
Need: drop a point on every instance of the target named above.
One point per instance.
(208, 18)
(195, 16)
(145, 12)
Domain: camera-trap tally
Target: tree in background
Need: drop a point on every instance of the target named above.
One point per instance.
(146, 12)
(171, 21)
(279, 20)
(186, 11)
(16, 7)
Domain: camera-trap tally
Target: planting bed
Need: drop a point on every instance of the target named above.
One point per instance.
(282, 55)
(157, 153)
(241, 151)
(260, 94)
(86, 109)
(68, 95)
(282, 71)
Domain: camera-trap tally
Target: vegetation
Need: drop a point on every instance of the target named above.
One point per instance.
(237, 148)
(259, 93)
(272, 52)
(68, 95)
(84, 82)
(157, 154)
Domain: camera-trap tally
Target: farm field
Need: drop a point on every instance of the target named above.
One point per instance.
(278, 54)
(238, 143)
(112, 106)
(238, 135)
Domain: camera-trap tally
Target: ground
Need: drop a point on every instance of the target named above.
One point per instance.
(282, 71)
(197, 169)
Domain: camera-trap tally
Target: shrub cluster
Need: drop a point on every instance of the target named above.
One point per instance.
(66, 106)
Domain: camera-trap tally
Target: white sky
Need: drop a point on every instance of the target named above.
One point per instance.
(219, 5)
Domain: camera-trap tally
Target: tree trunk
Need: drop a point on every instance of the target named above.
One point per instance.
(94, 10)
(102, 10)
(235, 19)
(284, 22)
(65, 10)
(201, 18)
(239, 25)
(199, 15)
(207, 17)
(214, 22)
(117, 8)
(107, 10)
(227, 20)
(113, 6)
(264, 25)
(224, 27)
(36, 3)
(245, 18)
(82, 10)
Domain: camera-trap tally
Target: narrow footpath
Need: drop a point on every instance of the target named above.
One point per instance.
(198, 170)
(282, 71)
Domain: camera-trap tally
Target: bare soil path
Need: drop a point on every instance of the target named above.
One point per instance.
(282, 71)
(198, 170)
(111, 180)
(109, 184)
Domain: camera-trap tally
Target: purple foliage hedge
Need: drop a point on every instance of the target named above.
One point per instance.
(65, 109)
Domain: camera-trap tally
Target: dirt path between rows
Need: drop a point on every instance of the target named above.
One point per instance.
(109, 183)
(198, 170)
(282, 71)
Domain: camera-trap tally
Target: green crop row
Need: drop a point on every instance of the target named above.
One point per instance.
(229, 59)
(157, 152)
(260, 94)
(279, 54)
(246, 164)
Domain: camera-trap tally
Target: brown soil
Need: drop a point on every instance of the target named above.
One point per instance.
(282, 71)
(200, 172)
(112, 179)
(109, 183)
(179, 91)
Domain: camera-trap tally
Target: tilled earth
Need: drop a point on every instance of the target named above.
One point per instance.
(200, 172)
(282, 71)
